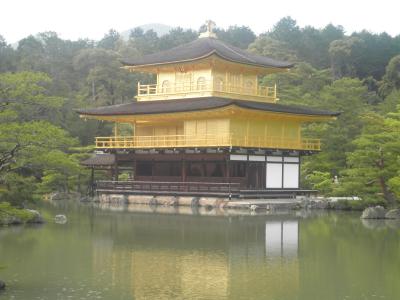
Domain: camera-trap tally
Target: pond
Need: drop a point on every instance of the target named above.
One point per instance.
(126, 254)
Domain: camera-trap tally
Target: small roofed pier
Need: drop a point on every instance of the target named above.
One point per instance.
(206, 127)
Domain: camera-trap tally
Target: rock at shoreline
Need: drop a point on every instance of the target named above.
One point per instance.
(36, 217)
(319, 204)
(377, 212)
(253, 207)
(393, 214)
(10, 220)
(60, 219)
(2, 285)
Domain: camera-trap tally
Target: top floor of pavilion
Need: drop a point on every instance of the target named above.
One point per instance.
(206, 67)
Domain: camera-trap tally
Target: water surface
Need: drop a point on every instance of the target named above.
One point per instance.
(120, 254)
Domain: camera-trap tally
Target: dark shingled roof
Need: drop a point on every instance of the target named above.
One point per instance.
(202, 48)
(99, 160)
(197, 104)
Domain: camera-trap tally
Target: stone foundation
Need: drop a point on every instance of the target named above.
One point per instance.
(172, 202)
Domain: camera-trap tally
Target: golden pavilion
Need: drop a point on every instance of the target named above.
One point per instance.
(206, 126)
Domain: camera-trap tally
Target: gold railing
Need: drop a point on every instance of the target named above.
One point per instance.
(221, 140)
(153, 91)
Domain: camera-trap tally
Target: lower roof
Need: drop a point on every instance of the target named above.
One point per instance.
(99, 160)
(198, 104)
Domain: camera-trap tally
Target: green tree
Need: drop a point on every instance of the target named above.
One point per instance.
(391, 79)
(105, 82)
(145, 42)
(27, 150)
(347, 96)
(29, 143)
(110, 40)
(393, 72)
(267, 46)
(344, 54)
(287, 30)
(314, 44)
(7, 56)
(176, 36)
(25, 94)
(239, 36)
(390, 103)
(30, 52)
(373, 165)
(377, 50)
(301, 86)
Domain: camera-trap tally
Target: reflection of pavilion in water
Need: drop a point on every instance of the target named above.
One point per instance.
(187, 257)
(282, 238)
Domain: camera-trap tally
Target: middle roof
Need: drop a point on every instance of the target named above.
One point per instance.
(198, 104)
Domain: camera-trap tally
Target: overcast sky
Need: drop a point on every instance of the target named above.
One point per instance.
(73, 19)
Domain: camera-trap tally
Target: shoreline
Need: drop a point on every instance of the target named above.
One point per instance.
(297, 203)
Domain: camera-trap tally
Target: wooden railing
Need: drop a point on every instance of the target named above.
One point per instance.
(151, 91)
(171, 187)
(207, 140)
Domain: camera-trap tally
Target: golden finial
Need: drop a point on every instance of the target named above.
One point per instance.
(210, 25)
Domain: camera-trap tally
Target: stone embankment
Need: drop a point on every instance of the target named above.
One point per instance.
(207, 202)
(300, 202)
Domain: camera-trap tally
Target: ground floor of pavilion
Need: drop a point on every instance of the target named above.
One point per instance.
(225, 172)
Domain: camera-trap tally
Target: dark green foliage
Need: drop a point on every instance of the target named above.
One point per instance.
(391, 80)
(268, 46)
(8, 56)
(344, 54)
(375, 53)
(176, 37)
(110, 40)
(360, 55)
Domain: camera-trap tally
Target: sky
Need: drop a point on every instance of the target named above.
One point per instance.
(74, 19)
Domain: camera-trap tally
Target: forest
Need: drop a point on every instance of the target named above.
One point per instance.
(44, 78)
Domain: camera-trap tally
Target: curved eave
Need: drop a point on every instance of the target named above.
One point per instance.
(218, 111)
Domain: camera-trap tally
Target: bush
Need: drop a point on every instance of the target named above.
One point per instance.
(19, 189)
(355, 204)
(9, 212)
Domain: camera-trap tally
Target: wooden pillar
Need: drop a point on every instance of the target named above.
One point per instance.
(183, 170)
(247, 174)
(264, 175)
(227, 172)
(92, 187)
(134, 168)
(116, 129)
(115, 171)
(152, 170)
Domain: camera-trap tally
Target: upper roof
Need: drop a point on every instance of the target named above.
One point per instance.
(202, 48)
(198, 104)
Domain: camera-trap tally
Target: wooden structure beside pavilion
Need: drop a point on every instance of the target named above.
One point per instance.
(206, 127)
